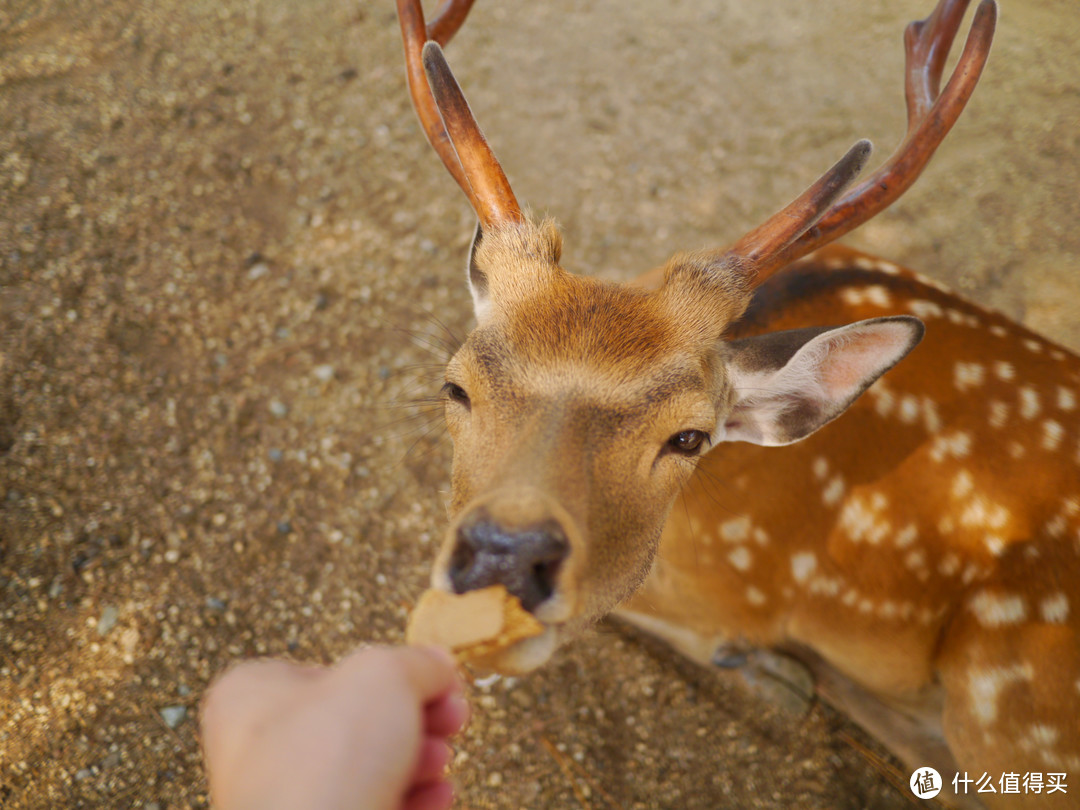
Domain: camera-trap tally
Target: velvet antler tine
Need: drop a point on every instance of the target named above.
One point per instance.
(449, 16)
(936, 115)
(414, 35)
(787, 225)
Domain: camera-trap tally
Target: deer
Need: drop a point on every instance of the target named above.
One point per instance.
(880, 535)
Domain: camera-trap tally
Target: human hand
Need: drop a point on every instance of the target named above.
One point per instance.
(369, 732)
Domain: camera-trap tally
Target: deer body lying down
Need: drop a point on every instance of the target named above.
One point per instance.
(924, 546)
(895, 550)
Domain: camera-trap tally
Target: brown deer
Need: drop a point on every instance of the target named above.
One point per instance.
(919, 555)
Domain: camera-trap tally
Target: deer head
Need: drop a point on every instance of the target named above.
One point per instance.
(578, 408)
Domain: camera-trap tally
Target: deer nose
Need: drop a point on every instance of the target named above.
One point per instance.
(525, 561)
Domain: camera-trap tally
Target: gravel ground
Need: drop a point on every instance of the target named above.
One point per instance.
(230, 267)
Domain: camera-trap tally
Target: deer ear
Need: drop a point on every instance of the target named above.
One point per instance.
(478, 281)
(789, 384)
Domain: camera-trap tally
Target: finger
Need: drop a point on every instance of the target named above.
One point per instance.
(428, 672)
(431, 764)
(447, 715)
(434, 796)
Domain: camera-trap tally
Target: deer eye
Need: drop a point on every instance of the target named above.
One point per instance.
(688, 442)
(455, 393)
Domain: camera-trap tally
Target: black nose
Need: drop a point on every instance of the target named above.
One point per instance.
(526, 561)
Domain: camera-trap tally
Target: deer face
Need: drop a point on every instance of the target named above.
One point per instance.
(578, 409)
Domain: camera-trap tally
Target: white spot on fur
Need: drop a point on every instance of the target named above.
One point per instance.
(875, 294)
(931, 419)
(1029, 402)
(1004, 371)
(761, 537)
(834, 491)
(803, 565)
(1033, 345)
(755, 597)
(999, 331)
(1017, 450)
(999, 414)
(981, 513)
(741, 558)
(968, 375)
(1042, 738)
(1052, 434)
(1055, 527)
(1055, 608)
(995, 544)
(820, 468)
(735, 531)
(906, 536)
(986, 683)
(925, 309)
(957, 445)
(883, 398)
(909, 409)
(916, 560)
(879, 296)
(826, 586)
(1066, 400)
(994, 610)
(963, 484)
(949, 565)
(863, 523)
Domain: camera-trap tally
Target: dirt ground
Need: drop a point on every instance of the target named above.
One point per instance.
(229, 264)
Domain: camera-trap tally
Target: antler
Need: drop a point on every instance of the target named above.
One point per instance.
(817, 217)
(445, 116)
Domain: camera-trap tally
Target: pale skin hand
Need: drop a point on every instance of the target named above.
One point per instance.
(369, 732)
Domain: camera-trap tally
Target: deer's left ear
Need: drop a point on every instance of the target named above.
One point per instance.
(789, 384)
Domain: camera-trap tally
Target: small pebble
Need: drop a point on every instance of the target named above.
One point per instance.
(274, 454)
(324, 373)
(108, 619)
(284, 527)
(258, 270)
(82, 773)
(173, 715)
(278, 408)
(214, 603)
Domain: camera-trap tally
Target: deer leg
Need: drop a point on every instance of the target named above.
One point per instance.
(779, 679)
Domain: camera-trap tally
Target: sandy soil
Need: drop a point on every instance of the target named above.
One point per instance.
(229, 263)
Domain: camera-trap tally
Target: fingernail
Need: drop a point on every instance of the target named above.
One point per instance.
(463, 710)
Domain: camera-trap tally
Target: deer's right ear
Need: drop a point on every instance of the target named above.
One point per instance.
(478, 281)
